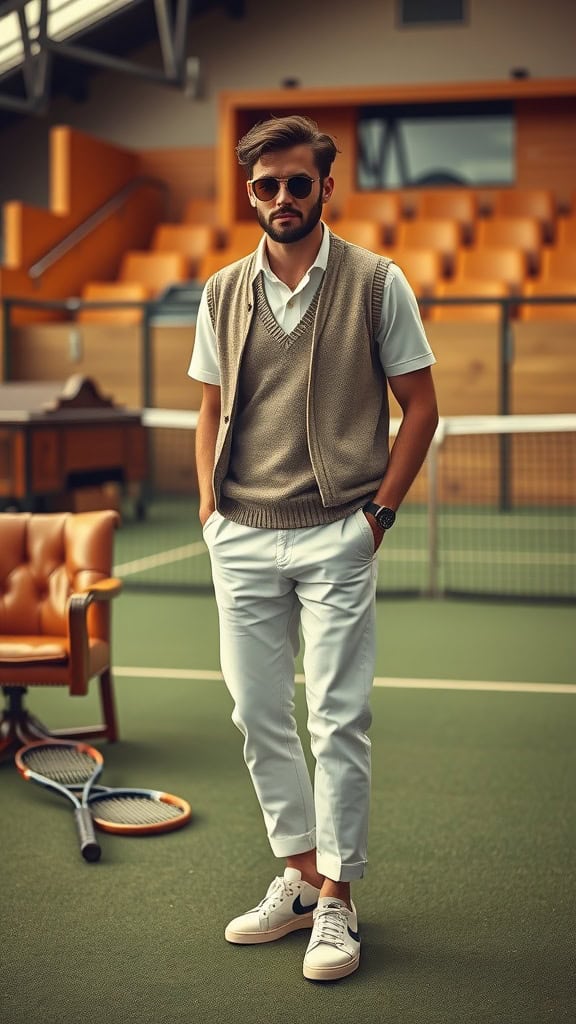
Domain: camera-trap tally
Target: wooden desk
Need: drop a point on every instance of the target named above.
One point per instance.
(58, 437)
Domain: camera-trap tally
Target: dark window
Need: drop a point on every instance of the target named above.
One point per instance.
(436, 144)
(432, 12)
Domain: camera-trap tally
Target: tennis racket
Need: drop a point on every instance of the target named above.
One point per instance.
(64, 767)
(132, 812)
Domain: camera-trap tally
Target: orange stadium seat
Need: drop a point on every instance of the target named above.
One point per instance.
(548, 311)
(488, 313)
(558, 262)
(367, 233)
(493, 263)
(244, 235)
(566, 230)
(383, 208)
(519, 232)
(201, 211)
(439, 233)
(155, 270)
(457, 204)
(528, 202)
(112, 291)
(422, 267)
(217, 259)
(191, 240)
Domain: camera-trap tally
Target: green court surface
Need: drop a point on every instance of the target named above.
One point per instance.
(467, 909)
(517, 553)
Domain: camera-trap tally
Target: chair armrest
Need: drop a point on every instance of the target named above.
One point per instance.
(78, 605)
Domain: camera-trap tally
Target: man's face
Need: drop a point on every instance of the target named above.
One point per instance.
(286, 218)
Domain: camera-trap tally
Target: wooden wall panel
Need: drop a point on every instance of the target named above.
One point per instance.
(466, 371)
(543, 374)
(546, 146)
(171, 352)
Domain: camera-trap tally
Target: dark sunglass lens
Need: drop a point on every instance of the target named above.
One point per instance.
(300, 186)
(265, 188)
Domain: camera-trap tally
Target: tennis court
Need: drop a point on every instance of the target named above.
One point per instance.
(468, 907)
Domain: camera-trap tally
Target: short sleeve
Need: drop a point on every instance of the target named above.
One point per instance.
(401, 337)
(204, 362)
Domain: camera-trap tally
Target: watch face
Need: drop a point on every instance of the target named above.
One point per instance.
(386, 518)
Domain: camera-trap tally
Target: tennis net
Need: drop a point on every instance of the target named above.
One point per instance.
(492, 512)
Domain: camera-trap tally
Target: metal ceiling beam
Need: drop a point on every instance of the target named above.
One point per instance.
(39, 52)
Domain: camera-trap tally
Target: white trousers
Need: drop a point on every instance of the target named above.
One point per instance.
(267, 583)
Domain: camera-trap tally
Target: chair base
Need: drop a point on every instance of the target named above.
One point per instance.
(19, 727)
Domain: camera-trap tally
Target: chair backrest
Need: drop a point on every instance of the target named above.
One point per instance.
(367, 233)
(155, 270)
(43, 559)
(437, 233)
(549, 311)
(460, 205)
(566, 230)
(201, 210)
(193, 241)
(384, 208)
(113, 291)
(214, 261)
(493, 263)
(422, 267)
(558, 262)
(244, 235)
(486, 312)
(528, 202)
(518, 232)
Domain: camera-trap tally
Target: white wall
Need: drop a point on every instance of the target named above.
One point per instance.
(335, 43)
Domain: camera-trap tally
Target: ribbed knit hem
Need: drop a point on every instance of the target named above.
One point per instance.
(292, 514)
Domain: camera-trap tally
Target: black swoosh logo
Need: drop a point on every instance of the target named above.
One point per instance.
(299, 909)
(354, 935)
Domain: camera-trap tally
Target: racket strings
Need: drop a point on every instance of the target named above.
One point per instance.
(133, 810)
(67, 766)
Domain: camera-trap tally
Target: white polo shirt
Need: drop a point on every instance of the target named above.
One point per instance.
(401, 337)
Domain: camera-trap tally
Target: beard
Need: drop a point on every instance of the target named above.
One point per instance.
(291, 234)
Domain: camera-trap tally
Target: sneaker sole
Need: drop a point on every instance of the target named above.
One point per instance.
(251, 938)
(331, 973)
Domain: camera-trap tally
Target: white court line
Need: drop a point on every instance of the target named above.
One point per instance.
(388, 682)
(389, 554)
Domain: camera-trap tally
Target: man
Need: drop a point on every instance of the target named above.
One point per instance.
(294, 346)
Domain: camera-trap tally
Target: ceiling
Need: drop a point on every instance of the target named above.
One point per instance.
(118, 35)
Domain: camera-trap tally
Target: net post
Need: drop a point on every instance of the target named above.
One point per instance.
(506, 358)
(432, 481)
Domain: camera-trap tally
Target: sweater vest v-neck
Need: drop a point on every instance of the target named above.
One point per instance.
(270, 481)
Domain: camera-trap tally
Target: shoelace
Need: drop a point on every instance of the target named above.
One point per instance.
(330, 925)
(278, 891)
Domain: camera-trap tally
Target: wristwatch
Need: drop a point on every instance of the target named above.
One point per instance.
(385, 517)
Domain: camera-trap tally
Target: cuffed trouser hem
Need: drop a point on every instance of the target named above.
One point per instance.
(292, 845)
(330, 867)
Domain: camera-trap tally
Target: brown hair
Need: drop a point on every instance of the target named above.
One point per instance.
(282, 133)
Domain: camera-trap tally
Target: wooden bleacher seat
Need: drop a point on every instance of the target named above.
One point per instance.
(566, 230)
(492, 263)
(422, 267)
(217, 259)
(193, 241)
(548, 311)
(559, 261)
(383, 208)
(366, 233)
(462, 288)
(201, 210)
(155, 270)
(112, 291)
(519, 232)
(528, 202)
(459, 204)
(244, 236)
(438, 233)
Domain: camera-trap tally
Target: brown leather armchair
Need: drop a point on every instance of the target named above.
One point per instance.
(55, 589)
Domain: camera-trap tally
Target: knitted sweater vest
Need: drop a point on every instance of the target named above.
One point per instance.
(346, 404)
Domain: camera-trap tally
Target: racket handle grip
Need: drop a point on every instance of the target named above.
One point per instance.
(89, 845)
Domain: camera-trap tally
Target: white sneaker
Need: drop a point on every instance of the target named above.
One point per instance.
(334, 947)
(287, 906)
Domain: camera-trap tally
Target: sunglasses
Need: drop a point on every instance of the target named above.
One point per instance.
(298, 185)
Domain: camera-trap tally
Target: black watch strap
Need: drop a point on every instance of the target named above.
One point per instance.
(385, 517)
